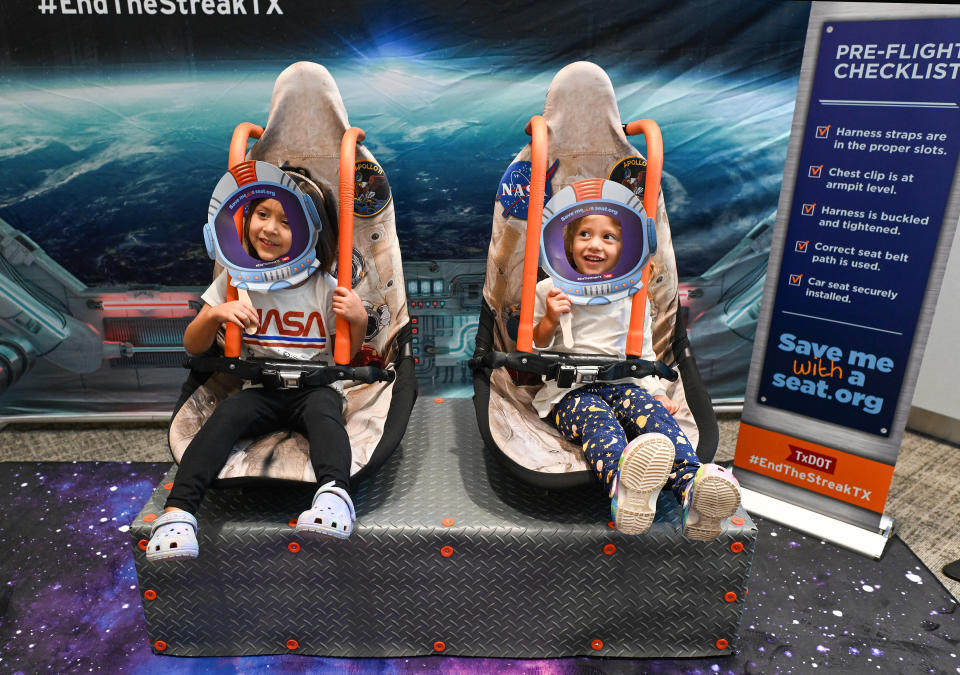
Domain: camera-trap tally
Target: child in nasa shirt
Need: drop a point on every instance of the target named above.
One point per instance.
(626, 428)
(292, 323)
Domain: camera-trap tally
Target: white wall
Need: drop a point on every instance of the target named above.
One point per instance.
(936, 401)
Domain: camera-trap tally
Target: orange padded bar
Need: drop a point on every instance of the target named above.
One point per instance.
(651, 187)
(238, 144)
(537, 128)
(238, 153)
(348, 158)
(651, 199)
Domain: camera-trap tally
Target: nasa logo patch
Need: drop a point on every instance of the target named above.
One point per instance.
(514, 190)
(371, 191)
(631, 172)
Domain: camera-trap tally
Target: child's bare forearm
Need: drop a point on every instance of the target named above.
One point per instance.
(203, 329)
(544, 331)
(358, 331)
(201, 332)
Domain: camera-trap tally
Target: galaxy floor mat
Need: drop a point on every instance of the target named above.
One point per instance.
(70, 602)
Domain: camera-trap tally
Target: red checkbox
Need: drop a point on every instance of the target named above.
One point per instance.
(809, 209)
(795, 279)
(801, 246)
(823, 131)
(815, 171)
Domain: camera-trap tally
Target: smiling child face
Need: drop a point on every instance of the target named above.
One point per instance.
(596, 244)
(268, 232)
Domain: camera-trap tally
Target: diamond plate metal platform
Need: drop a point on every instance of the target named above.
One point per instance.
(450, 554)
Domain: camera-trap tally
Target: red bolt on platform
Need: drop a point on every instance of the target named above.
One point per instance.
(439, 646)
(736, 547)
(142, 544)
(150, 517)
(160, 645)
(292, 644)
(596, 645)
(722, 644)
(609, 549)
(737, 520)
(446, 551)
(730, 596)
(447, 522)
(150, 594)
(293, 547)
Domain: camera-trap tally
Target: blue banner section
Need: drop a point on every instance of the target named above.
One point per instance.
(879, 155)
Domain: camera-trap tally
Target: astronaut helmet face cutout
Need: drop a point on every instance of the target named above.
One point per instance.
(595, 242)
(279, 227)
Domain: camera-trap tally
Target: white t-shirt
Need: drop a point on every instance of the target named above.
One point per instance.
(597, 329)
(295, 323)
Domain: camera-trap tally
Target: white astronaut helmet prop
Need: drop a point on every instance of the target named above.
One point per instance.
(638, 237)
(243, 184)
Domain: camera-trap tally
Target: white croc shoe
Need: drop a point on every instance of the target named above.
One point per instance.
(332, 513)
(174, 535)
(644, 467)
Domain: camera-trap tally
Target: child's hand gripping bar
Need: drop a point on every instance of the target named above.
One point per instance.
(537, 128)
(342, 349)
(238, 153)
(651, 199)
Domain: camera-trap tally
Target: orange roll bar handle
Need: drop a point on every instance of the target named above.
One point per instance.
(342, 349)
(651, 200)
(238, 153)
(537, 128)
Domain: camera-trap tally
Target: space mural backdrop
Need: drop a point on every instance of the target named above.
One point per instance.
(117, 117)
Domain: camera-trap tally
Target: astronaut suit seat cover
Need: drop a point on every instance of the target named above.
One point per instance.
(306, 122)
(587, 140)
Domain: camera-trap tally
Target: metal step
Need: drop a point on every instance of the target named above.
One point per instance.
(450, 555)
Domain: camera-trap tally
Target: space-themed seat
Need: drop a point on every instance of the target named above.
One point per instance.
(581, 163)
(579, 141)
(307, 134)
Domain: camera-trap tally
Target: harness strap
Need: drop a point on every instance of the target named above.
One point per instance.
(569, 368)
(681, 348)
(287, 374)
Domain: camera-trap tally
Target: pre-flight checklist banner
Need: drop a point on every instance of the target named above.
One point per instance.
(864, 216)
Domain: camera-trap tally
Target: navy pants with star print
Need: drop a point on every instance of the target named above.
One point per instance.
(604, 417)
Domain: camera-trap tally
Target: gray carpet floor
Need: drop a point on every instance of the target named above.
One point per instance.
(924, 499)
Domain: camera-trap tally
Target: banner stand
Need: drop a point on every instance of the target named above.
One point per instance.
(817, 524)
(868, 209)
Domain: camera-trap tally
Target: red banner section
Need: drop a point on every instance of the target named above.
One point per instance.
(814, 460)
(828, 471)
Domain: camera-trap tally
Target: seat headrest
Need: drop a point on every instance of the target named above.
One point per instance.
(581, 107)
(307, 117)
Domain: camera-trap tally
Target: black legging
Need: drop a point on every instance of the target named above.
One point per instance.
(315, 411)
